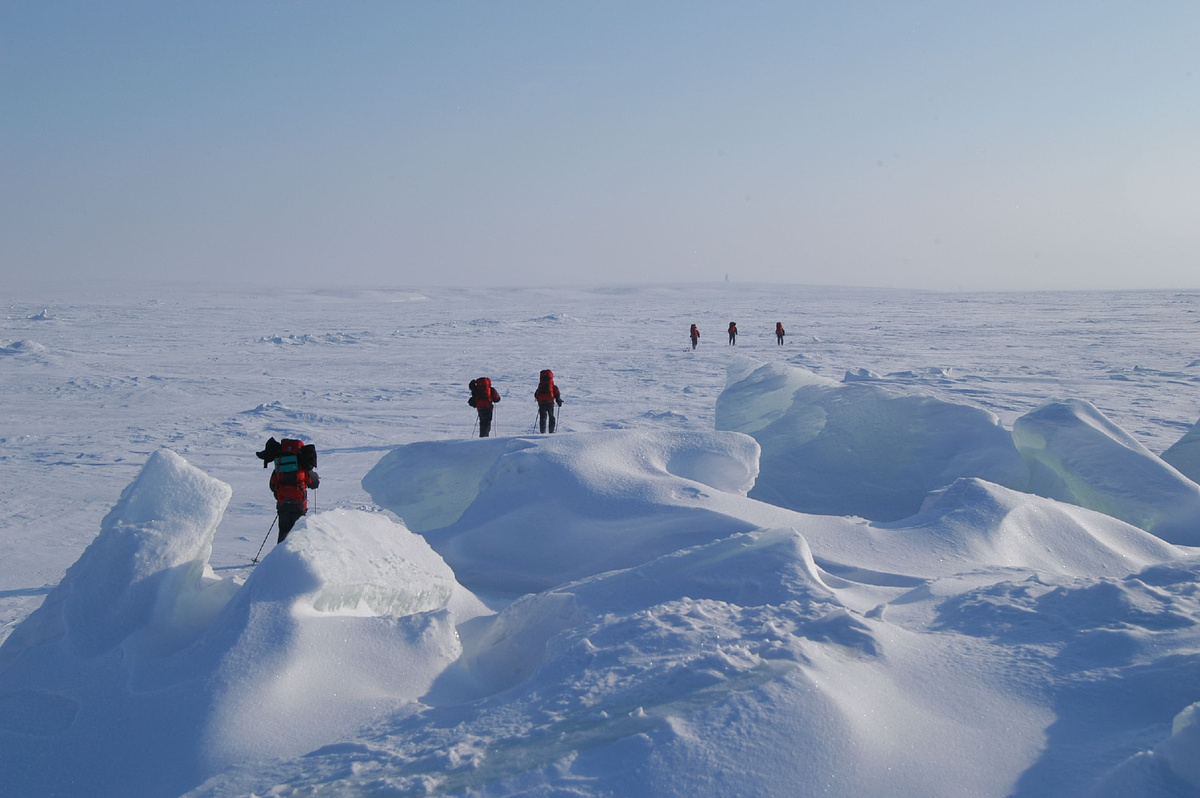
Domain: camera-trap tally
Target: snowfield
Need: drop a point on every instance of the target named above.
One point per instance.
(925, 548)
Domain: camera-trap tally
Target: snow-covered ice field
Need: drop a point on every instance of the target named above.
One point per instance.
(927, 547)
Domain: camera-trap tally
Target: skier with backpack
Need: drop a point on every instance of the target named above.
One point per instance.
(483, 397)
(733, 333)
(779, 332)
(547, 395)
(695, 335)
(295, 472)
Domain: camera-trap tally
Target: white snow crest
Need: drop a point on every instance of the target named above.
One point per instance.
(1077, 455)
(525, 514)
(351, 618)
(859, 449)
(146, 574)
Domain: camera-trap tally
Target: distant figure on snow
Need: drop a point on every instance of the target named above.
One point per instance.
(695, 335)
(483, 397)
(779, 332)
(733, 333)
(295, 472)
(547, 395)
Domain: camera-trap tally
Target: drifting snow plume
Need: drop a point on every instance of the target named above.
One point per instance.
(1077, 455)
(857, 449)
(515, 515)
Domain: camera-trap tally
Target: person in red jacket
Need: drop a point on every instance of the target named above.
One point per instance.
(779, 332)
(483, 397)
(290, 482)
(733, 333)
(547, 395)
(695, 335)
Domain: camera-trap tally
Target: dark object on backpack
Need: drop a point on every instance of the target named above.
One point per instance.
(291, 452)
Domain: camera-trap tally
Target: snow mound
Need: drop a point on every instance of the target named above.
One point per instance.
(21, 348)
(333, 338)
(1184, 454)
(1077, 455)
(556, 317)
(516, 515)
(144, 582)
(757, 569)
(353, 617)
(861, 375)
(856, 448)
(978, 523)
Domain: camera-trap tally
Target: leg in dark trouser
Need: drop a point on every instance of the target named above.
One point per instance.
(545, 412)
(289, 514)
(485, 421)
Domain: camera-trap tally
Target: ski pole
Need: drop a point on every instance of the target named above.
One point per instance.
(475, 425)
(260, 548)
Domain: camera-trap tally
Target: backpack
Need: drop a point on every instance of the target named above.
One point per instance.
(481, 392)
(289, 455)
(545, 389)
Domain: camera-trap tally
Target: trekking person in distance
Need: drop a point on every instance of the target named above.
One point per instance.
(695, 335)
(295, 472)
(733, 333)
(547, 395)
(779, 332)
(483, 397)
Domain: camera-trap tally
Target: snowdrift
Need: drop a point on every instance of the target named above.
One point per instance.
(527, 514)
(668, 634)
(1184, 454)
(741, 667)
(855, 448)
(518, 515)
(143, 673)
(1077, 455)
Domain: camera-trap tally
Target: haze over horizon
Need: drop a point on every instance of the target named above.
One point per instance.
(924, 145)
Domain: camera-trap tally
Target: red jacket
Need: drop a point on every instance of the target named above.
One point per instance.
(695, 332)
(779, 328)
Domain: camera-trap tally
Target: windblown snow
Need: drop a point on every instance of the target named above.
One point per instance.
(871, 586)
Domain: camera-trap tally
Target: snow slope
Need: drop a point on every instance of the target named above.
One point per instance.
(649, 625)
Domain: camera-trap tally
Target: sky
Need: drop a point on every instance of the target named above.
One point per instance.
(943, 145)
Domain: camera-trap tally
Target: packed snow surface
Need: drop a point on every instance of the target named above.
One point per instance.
(958, 568)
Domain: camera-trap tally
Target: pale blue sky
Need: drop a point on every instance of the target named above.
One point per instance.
(923, 144)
